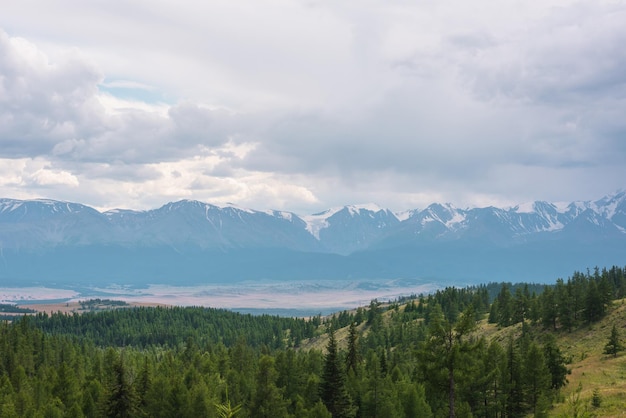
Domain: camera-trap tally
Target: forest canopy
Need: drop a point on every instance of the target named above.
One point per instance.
(421, 356)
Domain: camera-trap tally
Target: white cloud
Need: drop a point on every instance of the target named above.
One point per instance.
(47, 177)
(304, 106)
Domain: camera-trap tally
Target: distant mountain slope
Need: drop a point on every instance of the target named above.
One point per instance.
(187, 240)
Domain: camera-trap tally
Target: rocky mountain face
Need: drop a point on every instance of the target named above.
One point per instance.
(191, 241)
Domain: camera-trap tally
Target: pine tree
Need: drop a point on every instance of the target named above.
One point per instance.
(333, 388)
(565, 305)
(442, 356)
(353, 358)
(594, 303)
(414, 402)
(226, 410)
(549, 312)
(505, 306)
(520, 305)
(556, 363)
(494, 375)
(513, 383)
(66, 387)
(536, 376)
(121, 400)
(268, 400)
(144, 383)
(614, 345)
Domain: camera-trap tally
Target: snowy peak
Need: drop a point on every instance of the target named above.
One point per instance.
(350, 228)
(348, 214)
(368, 208)
(341, 230)
(538, 207)
(538, 216)
(190, 239)
(33, 210)
(444, 215)
(612, 205)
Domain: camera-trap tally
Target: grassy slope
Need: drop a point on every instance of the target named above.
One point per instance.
(594, 370)
(589, 367)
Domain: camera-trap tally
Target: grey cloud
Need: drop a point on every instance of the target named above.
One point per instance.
(573, 55)
(476, 104)
(142, 137)
(42, 103)
(197, 125)
(51, 108)
(119, 172)
(223, 170)
(409, 132)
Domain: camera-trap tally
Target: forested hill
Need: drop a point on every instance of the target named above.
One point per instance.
(172, 326)
(450, 353)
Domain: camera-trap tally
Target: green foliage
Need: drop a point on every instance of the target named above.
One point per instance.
(596, 399)
(144, 327)
(226, 410)
(422, 359)
(9, 308)
(120, 400)
(556, 363)
(577, 407)
(567, 304)
(614, 345)
(333, 390)
(268, 400)
(447, 357)
(353, 357)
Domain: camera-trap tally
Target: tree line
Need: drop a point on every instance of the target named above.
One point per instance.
(419, 357)
(582, 298)
(170, 326)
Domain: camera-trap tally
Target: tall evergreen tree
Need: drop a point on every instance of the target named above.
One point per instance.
(537, 378)
(614, 345)
(442, 356)
(513, 382)
(353, 357)
(67, 388)
(520, 305)
(505, 306)
(556, 363)
(144, 383)
(594, 303)
(333, 388)
(268, 401)
(121, 401)
(549, 308)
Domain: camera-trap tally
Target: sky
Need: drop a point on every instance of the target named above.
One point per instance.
(303, 105)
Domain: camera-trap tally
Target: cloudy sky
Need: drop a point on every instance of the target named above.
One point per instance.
(304, 105)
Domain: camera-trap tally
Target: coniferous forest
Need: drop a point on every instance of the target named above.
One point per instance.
(423, 356)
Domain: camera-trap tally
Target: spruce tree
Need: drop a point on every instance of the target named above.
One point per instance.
(268, 400)
(333, 388)
(614, 345)
(536, 376)
(444, 356)
(594, 303)
(505, 306)
(556, 363)
(121, 401)
(353, 358)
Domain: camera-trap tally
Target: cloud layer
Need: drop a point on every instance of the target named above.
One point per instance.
(304, 106)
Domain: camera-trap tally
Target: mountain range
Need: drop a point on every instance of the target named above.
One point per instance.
(191, 242)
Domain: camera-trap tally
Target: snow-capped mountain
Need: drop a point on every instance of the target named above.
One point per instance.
(46, 239)
(350, 228)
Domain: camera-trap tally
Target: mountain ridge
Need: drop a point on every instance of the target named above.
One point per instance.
(44, 239)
